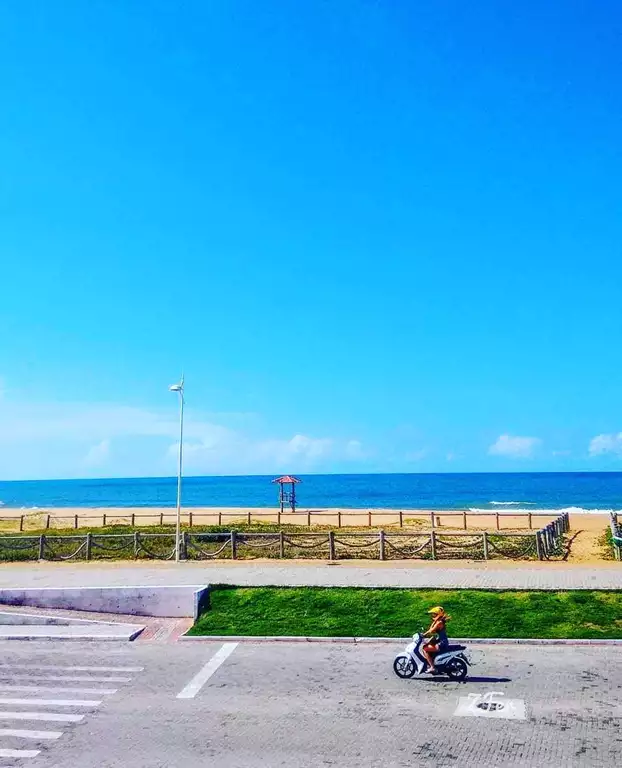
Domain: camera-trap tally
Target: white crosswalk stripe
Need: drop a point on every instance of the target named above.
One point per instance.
(51, 717)
(53, 702)
(25, 691)
(70, 678)
(55, 689)
(19, 752)
(19, 733)
(47, 668)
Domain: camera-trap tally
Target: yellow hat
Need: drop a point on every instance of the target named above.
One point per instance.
(436, 609)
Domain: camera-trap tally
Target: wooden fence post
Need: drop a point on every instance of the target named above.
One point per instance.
(338, 518)
(497, 520)
(309, 519)
(331, 545)
(133, 520)
(432, 518)
(234, 545)
(47, 523)
(136, 544)
(401, 519)
(21, 523)
(538, 546)
(369, 519)
(485, 544)
(530, 520)
(104, 520)
(278, 517)
(42, 547)
(75, 522)
(433, 544)
(464, 521)
(249, 518)
(161, 518)
(382, 548)
(88, 546)
(190, 519)
(281, 544)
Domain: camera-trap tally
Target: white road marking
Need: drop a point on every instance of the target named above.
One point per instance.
(54, 689)
(19, 752)
(53, 702)
(68, 678)
(199, 680)
(71, 669)
(49, 717)
(38, 735)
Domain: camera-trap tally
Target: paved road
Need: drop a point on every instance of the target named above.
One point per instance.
(504, 575)
(300, 707)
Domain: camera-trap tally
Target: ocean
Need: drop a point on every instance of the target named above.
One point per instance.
(579, 491)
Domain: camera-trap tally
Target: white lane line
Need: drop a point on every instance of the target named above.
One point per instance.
(19, 752)
(54, 689)
(72, 669)
(52, 702)
(199, 680)
(68, 678)
(49, 717)
(38, 735)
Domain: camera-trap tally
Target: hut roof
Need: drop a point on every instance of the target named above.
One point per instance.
(286, 479)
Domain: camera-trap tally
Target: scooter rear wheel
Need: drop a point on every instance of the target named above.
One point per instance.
(404, 666)
(456, 669)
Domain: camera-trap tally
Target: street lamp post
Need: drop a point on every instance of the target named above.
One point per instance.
(179, 388)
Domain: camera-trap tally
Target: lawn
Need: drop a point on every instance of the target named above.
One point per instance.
(347, 612)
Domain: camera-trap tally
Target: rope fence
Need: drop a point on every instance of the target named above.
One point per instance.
(544, 544)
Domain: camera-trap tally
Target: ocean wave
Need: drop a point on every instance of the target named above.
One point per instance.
(510, 503)
(552, 512)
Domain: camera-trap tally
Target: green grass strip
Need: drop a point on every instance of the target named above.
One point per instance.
(347, 612)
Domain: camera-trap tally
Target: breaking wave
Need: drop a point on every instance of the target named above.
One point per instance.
(569, 510)
(510, 503)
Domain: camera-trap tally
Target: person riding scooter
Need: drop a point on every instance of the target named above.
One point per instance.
(437, 634)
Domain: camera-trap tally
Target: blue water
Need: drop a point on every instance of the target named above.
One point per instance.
(506, 492)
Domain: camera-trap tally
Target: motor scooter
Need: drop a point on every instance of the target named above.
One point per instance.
(453, 662)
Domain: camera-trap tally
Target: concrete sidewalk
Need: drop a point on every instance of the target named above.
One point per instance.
(502, 575)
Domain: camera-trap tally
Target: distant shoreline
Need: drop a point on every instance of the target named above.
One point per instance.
(217, 515)
(13, 511)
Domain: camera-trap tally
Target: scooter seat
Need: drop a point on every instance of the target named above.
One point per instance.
(453, 648)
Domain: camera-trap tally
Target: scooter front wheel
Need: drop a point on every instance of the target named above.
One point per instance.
(404, 666)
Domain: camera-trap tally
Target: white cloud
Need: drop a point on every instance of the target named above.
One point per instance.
(602, 444)
(514, 447)
(76, 439)
(98, 454)
(223, 449)
(416, 455)
(355, 450)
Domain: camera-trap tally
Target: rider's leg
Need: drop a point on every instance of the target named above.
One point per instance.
(428, 652)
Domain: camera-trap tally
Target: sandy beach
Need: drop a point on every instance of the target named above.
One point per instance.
(586, 530)
(61, 517)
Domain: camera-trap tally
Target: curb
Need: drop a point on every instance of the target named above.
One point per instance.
(77, 638)
(389, 640)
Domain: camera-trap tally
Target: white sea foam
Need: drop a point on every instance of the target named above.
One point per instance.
(552, 512)
(510, 503)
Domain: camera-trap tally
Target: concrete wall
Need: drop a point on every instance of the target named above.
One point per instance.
(173, 602)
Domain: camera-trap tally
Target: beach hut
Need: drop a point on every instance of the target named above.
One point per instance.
(287, 495)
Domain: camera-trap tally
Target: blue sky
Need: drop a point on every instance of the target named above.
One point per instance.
(376, 236)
